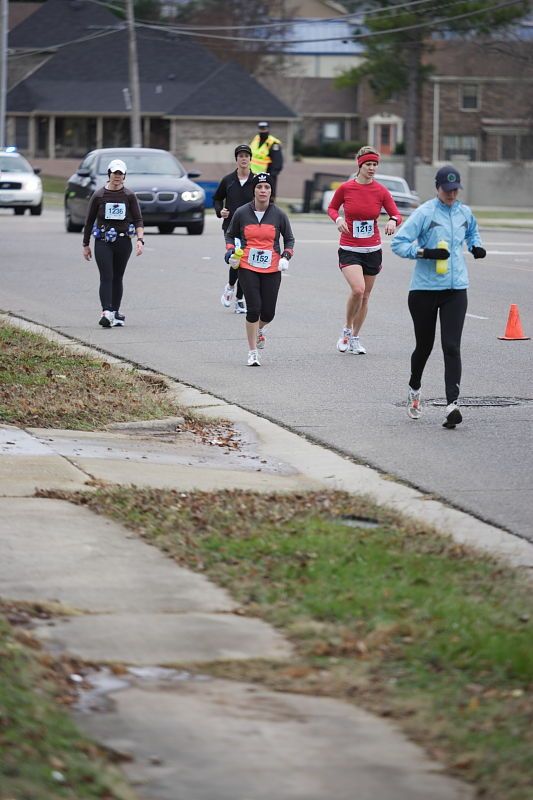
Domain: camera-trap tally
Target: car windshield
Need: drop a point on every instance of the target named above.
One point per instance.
(144, 164)
(392, 186)
(14, 164)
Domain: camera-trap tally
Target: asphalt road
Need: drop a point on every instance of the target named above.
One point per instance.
(354, 404)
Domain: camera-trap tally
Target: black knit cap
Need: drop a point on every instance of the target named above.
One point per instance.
(262, 177)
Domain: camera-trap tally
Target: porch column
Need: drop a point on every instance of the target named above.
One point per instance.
(99, 132)
(51, 137)
(31, 136)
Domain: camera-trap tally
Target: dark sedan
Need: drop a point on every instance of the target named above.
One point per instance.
(167, 196)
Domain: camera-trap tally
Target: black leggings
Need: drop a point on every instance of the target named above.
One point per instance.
(232, 280)
(424, 307)
(112, 258)
(261, 293)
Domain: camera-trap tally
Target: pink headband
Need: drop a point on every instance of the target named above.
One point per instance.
(367, 157)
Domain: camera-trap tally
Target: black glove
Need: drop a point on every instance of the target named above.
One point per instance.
(436, 253)
(229, 254)
(478, 252)
(286, 255)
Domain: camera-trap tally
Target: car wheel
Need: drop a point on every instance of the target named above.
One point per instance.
(195, 228)
(36, 211)
(71, 227)
(19, 211)
(166, 228)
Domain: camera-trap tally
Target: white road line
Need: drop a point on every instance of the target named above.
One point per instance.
(475, 316)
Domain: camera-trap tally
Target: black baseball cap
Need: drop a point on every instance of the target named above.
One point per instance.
(448, 178)
(243, 148)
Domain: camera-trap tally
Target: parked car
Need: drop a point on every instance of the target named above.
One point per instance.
(167, 196)
(403, 196)
(20, 186)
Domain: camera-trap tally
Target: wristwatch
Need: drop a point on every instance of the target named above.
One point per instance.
(140, 240)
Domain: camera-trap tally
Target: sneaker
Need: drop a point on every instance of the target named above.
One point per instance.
(253, 359)
(356, 346)
(240, 307)
(107, 320)
(453, 416)
(119, 319)
(343, 341)
(414, 403)
(227, 295)
(261, 341)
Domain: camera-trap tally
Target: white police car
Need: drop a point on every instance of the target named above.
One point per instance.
(20, 185)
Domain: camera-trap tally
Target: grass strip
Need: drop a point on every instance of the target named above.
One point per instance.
(43, 755)
(396, 617)
(45, 385)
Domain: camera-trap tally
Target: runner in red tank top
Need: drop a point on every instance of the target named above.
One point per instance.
(360, 253)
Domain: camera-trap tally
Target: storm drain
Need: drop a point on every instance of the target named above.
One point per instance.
(478, 402)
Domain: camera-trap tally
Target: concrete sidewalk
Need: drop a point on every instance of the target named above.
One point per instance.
(191, 736)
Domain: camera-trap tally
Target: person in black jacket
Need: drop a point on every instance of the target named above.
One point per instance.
(233, 191)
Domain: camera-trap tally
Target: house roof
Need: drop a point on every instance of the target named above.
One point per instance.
(58, 21)
(177, 76)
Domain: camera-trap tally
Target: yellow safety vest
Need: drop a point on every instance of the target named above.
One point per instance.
(261, 153)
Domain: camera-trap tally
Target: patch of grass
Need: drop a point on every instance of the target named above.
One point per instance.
(44, 757)
(396, 618)
(53, 184)
(45, 385)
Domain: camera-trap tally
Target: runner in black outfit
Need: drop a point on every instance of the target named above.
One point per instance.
(113, 218)
(233, 191)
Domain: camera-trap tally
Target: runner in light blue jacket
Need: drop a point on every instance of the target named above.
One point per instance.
(434, 236)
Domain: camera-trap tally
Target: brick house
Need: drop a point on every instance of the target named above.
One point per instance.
(68, 89)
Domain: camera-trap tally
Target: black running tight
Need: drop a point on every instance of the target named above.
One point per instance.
(450, 305)
(232, 280)
(261, 293)
(112, 258)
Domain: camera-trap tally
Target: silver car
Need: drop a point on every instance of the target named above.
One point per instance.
(406, 200)
(20, 185)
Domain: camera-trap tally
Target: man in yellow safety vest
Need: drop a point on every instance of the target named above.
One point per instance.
(266, 154)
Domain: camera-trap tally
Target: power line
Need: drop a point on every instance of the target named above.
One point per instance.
(435, 23)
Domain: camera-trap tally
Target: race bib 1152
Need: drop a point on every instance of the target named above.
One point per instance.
(260, 258)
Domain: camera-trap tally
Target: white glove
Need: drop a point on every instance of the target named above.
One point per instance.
(283, 264)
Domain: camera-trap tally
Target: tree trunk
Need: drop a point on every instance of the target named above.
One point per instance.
(411, 113)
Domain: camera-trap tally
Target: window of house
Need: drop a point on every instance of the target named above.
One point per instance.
(517, 147)
(332, 131)
(22, 133)
(460, 146)
(470, 97)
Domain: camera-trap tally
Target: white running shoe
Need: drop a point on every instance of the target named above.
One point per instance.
(356, 346)
(253, 359)
(453, 416)
(343, 342)
(240, 307)
(414, 403)
(227, 295)
(107, 320)
(261, 340)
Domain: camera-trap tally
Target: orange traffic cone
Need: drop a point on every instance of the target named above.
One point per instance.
(514, 326)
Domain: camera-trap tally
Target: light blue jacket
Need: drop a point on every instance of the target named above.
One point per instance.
(431, 223)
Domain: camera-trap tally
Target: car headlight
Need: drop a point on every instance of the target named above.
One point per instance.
(193, 194)
(32, 184)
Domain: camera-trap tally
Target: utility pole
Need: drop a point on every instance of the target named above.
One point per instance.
(3, 70)
(135, 117)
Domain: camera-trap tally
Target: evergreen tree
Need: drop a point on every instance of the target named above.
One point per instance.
(398, 39)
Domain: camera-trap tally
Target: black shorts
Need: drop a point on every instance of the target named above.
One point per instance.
(371, 262)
